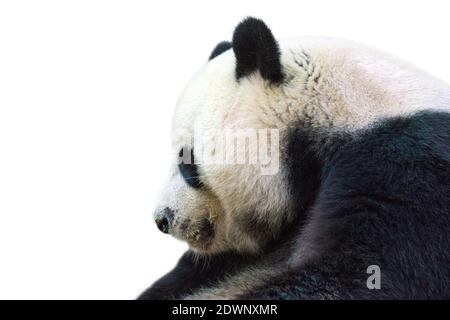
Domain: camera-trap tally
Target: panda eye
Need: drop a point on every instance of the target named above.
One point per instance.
(188, 168)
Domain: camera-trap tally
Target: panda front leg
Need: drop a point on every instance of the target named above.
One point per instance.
(176, 283)
(194, 273)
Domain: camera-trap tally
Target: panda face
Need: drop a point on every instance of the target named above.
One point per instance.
(258, 85)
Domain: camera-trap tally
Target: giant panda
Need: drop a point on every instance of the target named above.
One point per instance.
(362, 179)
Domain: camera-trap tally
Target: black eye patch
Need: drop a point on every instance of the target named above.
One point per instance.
(188, 168)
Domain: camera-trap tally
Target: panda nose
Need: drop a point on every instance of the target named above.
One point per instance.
(163, 224)
(164, 219)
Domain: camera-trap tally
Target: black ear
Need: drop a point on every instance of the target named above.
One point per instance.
(256, 49)
(220, 48)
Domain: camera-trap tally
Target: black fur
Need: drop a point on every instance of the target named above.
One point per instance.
(381, 197)
(256, 49)
(192, 273)
(220, 48)
(189, 169)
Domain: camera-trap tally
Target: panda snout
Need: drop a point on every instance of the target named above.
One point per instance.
(163, 219)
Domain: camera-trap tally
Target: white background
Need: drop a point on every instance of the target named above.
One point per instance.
(87, 90)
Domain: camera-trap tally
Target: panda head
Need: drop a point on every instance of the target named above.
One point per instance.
(216, 197)
(231, 185)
